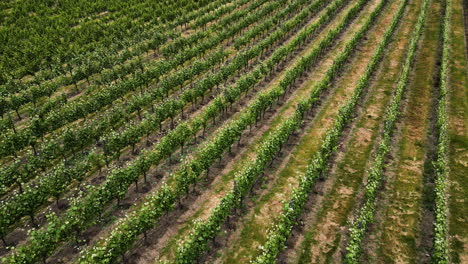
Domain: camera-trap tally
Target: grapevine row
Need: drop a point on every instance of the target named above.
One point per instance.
(28, 199)
(71, 138)
(106, 59)
(56, 53)
(440, 250)
(84, 135)
(48, 88)
(117, 141)
(75, 139)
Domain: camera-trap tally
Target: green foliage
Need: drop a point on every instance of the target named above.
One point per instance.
(440, 250)
(54, 44)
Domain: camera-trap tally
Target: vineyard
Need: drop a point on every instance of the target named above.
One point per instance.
(234, 131)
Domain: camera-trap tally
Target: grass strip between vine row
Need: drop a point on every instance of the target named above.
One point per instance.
(366, 211)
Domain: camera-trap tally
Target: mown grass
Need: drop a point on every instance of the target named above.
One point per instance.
(458, 146)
